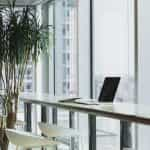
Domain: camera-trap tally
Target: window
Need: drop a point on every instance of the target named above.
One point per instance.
(113, 56)
(64, 54)
(63, 44)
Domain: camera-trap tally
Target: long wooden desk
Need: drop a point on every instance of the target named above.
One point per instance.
(122, 111)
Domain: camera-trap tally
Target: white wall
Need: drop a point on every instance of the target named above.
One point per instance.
(42, 68)
(144, 69)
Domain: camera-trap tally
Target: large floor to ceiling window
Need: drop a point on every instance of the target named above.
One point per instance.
(66, 71)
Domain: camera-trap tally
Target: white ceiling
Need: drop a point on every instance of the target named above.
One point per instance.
(20, 2)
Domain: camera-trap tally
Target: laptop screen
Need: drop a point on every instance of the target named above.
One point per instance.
(109, 89)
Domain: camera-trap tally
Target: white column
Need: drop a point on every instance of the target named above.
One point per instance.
(84, 63)
(42, 70)
(45, 57)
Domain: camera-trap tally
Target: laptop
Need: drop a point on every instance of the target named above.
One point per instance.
(107, 93)
(109, 89)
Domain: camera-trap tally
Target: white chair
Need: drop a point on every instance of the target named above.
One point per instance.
(28, 140)
(59, 132)
(56, 131)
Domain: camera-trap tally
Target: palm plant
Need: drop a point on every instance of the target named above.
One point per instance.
(22, 39)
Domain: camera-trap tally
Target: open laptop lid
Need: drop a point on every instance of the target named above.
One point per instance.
(109, 89)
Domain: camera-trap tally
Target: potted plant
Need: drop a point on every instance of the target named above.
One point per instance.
(22, 39)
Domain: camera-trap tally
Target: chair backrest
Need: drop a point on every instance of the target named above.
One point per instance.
(109, 89)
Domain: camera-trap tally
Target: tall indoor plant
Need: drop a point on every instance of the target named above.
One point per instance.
(22, 39)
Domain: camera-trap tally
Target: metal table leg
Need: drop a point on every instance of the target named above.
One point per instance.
(27, 116)
(44, 114)
(54, 120)
(72, 125)
(125, 135)
(92, 132)
(54, 116)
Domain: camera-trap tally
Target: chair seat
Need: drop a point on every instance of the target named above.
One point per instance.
(56, 131)
(27, 140)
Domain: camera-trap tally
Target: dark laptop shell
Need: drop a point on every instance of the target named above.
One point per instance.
(109, 89)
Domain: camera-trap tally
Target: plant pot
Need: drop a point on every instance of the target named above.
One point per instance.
(11, 120)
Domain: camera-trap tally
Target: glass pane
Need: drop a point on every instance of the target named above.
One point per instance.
(28, 79)
(113, 56)
(65, 56)
(66, 47)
